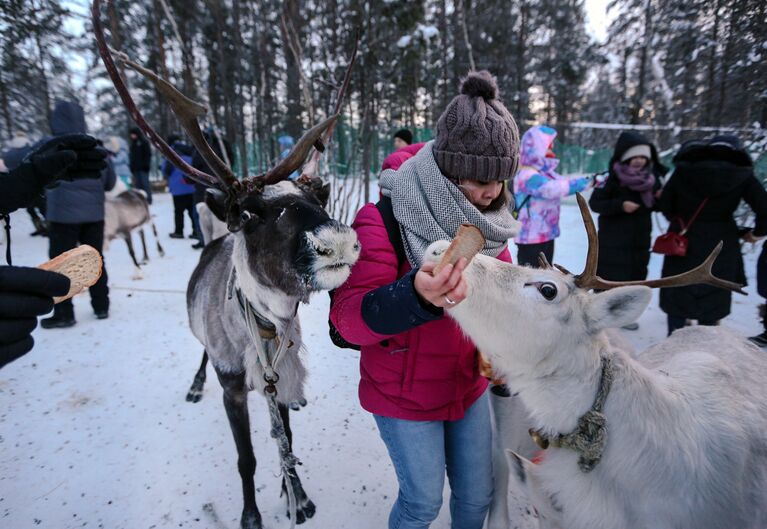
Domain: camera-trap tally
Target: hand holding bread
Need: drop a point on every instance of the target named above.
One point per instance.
(82, 265)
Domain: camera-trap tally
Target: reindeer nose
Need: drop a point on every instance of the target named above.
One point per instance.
(335, 240)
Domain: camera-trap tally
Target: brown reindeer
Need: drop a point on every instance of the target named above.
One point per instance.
(124, 213)
(243, 297)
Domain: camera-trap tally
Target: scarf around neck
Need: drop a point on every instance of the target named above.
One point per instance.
(642, 181)
(428, 208)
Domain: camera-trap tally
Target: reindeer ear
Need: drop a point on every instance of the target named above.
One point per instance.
(316, 187)
(617, 307)
(323, 194)
(216, 201)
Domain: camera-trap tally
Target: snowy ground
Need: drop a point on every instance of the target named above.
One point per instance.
(95, 431)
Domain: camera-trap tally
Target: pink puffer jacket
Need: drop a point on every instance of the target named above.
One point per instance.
(400, 156)
(427, 373)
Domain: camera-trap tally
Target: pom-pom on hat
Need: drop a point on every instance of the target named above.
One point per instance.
(477, 137)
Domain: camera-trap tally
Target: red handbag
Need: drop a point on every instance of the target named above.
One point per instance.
(673, 243)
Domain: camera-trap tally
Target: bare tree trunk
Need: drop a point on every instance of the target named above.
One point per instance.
(464, 29)
(710, 103)
(639, 95)
(524, 13)
(160, 67)
(294, 123)
(624, 76)
(6, 108)
(114, 26)
(443, 35)
(239, 100)
(725, 70)
(44, 89)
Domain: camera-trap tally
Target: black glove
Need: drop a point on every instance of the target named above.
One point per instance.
(25, 294)
(67, 157)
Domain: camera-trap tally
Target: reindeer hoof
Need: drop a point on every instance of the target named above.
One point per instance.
(194, 395)
(297, 404)
(304, 511)
(138, 276)
(251, 520)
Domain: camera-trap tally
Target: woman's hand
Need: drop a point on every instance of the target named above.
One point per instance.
(446, 289)
(630, 207)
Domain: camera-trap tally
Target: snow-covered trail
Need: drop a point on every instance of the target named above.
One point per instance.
(95, 431)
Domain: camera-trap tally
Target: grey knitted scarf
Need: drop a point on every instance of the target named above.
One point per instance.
(428, 208)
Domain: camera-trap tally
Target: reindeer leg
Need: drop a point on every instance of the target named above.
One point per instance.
(195, 391)
(129, 241)
(156, 238)
(304, 506)
(236, 405)
(143, 245)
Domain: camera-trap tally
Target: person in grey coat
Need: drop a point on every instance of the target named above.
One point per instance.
(76, 216)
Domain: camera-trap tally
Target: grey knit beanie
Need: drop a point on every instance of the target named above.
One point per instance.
(477, 138)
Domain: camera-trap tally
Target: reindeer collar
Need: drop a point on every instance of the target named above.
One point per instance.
(590, 436)
(266, 329)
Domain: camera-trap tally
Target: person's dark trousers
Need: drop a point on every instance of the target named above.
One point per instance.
(527, 254)
(182, 203)
(141, 181)
(677, 322)
(64, 237)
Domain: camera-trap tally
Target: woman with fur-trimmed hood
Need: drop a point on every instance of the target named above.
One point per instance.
(711, 177)
(625, 203)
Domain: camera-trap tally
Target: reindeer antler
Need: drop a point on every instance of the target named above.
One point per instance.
(702, 274)
(185, 109)
(187, 112)
(543, 262)
(312, 167)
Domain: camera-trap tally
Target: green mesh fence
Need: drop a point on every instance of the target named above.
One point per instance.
(347, 152)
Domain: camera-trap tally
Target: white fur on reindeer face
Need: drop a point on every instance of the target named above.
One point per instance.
(541, 308)
(335, 249)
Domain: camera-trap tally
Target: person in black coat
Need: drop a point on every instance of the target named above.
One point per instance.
(140, 157)
(76, 216)
(625, 203)
(713, 176)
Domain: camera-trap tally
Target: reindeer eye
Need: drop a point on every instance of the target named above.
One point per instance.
(548, 290)
(245, 216)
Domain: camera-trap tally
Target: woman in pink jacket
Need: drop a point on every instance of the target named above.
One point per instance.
(419, 373)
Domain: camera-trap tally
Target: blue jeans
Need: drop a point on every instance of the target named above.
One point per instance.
(422, 451)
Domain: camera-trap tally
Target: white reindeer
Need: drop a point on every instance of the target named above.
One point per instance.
(674, 439)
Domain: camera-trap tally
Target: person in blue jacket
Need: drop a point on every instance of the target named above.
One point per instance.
(180, 189)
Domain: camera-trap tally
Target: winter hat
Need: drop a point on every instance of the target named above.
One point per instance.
(637, 150)
(286, 141)
(477, 137)
(405, 135)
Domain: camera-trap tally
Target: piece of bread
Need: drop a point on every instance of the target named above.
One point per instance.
(467, 243)
(81, 265)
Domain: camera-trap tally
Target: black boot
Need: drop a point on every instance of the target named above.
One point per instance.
(761, 339)
(41, 228)
(57, 322)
